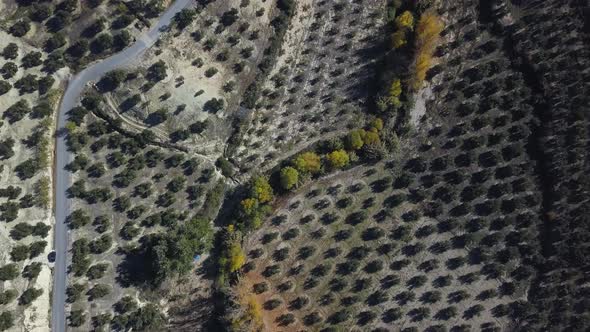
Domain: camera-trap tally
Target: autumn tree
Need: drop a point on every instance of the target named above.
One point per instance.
(261, 190)
(237, 258)
(427, 35)
(372, 138)
(405, 21)
(354, 139)
(308, 162)
(232, 257)
(251, 212)
(377, 123)
(337, 159)
(254, 311)
(399, 39)
(395, 91)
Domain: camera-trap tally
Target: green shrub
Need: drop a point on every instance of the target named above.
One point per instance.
(98, 291)
(184, 18)
(39, 12)
(8, 70)
(31, 59)
(101, 244)
(176, 184)
(32, 270)
(78, 218)
(77, 318)
(20, 28)
(37, 248)
(17, 111)
(54, 42)
(78, 49)
(126, 305)
(20, 231)
(210, 72)
(172, 253)
(6, 320)
(10, 51)
(146, 318)
(4, 87)
(289, 177)
(19, 253)
(8, 296)
(102, 43)
(123, 21)
(97, 271)
(43, 109)
(229, 17)
(122, 40)
(129, 231)
(157, 71)
(27, 84)
(9, 272)
(74, 292)
(29, 296)
(225, 166)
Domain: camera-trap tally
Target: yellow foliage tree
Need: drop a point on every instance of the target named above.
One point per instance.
(427, 36)
(254, 311)
(354, 140)
(405, 20)
(377, 123)
(429, 28)
(308, 162)
(338, 158)
(396, 89)
(249, 206)
(237, 258)
(423, 63)
(252, 212)
(261, 190)
(395, 92)
(251, 319)
(372, 138)
(398, 39)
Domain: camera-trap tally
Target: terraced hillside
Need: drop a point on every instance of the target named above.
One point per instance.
(75, 32)
(460, 229)
(551, 42)
(150, 176)
(42, 43)
(368, 249)
(319, 85)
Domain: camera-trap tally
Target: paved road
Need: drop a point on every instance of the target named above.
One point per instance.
(63, 157)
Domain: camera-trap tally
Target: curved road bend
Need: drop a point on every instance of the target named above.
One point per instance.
(63, 157)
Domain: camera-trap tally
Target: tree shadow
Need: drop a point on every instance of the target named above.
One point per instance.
(135, 268)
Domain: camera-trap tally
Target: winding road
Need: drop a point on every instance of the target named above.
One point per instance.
(62, 157)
